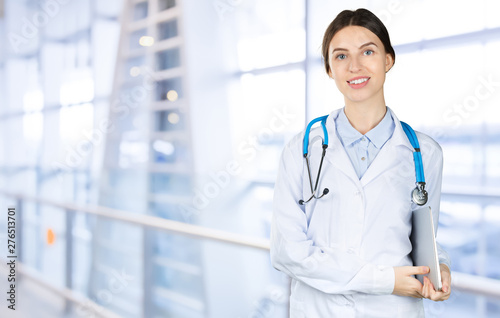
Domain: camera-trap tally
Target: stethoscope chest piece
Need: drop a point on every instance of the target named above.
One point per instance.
(419, 195)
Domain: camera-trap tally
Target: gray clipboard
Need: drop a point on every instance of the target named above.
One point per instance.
(423, 240)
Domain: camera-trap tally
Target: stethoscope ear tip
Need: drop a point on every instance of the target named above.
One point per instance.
(301, 202)
(326, 191)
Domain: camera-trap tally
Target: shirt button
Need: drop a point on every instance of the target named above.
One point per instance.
(363, 139)
(363, 158)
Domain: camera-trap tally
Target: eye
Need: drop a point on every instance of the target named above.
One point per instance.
(368, 52)
(341, 56)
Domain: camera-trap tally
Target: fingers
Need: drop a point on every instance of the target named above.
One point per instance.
(444, 268)
(429, 292)
(446, 280)
(424, 270)
(415, 270)
(420, 270)
(446, 286)
(446, 290)
(426, 292)
(406, 285)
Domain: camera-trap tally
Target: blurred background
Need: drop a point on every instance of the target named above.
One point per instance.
(140, 140)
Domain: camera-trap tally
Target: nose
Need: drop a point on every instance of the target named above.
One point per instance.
(355, 65)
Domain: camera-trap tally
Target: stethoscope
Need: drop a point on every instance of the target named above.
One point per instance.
(418, 195)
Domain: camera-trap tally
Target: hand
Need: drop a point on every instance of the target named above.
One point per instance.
(428, 290)
(407, 285)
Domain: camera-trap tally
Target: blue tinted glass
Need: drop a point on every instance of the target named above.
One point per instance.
(134, 62)
(173, 184)
(134, 38)
(140, 11)
(165, 4)
(164, 86)
(186, 282)
(167, 30)
(169, 120)
(169, 152)
(167, 59)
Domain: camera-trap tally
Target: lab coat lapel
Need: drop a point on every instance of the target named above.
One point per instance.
(386, 157)
(384, 160)
(336, 154)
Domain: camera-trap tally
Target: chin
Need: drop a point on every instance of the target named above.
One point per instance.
(358, 98)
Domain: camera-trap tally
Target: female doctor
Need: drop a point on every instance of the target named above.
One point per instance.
(348, 252)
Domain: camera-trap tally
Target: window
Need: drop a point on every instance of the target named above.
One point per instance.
(167, 59)
(167, 30)
(165, 4)
(169, 120)
(169, 89)
(135, 39)
(140, 11)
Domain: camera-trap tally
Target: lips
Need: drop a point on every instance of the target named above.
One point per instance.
(358, 82)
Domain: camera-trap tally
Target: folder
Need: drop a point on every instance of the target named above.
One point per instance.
(424, 248)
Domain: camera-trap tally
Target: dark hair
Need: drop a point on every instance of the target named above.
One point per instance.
(360, 17)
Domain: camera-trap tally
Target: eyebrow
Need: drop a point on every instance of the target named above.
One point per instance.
(362, 46)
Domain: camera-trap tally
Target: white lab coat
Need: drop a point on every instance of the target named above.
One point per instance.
(340, 250)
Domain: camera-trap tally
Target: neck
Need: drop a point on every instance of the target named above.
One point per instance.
(364, 117)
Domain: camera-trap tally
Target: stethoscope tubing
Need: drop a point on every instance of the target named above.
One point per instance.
(419, 195)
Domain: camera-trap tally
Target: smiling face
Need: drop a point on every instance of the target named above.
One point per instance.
(358, 63)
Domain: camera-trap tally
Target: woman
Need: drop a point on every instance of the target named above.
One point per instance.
(348, 253)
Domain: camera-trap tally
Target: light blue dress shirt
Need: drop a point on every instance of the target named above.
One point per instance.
(362, 149)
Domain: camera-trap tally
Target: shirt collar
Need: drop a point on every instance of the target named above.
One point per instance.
(347, 133)
(383, 131)
(378, 135)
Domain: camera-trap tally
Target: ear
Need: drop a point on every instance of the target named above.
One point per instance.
(330, 73)
(389, 62)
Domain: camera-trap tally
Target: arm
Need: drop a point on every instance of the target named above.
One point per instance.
(406, 284)
(434, 164)
(327, 269)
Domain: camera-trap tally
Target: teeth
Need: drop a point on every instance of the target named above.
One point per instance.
(359, 81)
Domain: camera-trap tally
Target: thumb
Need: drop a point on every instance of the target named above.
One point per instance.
(421, 270)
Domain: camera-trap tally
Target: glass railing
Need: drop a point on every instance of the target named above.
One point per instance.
(112, 263)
